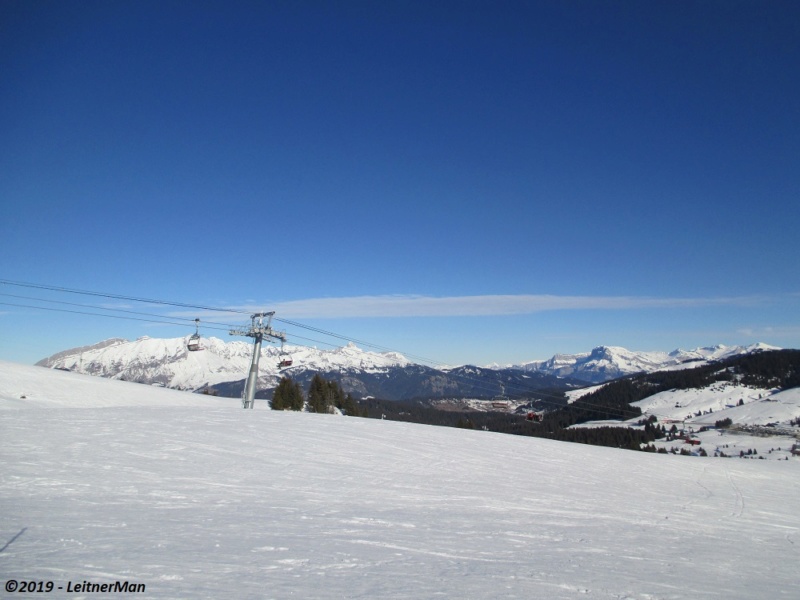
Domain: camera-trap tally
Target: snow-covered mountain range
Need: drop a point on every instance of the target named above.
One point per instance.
(224, 365)
(168, 362)
(609, 362)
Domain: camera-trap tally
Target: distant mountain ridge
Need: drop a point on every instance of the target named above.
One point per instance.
(168, 362)
(223, 366)
(610, 362)
(388, 375)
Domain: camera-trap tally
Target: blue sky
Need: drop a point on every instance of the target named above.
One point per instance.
(464, 181)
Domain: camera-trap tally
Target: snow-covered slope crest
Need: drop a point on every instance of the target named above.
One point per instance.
(196, 503)
(167, 362)
(742, 404)
(26, 386)
(609, 362)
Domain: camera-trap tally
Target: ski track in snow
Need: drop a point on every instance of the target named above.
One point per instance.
(206, 500)
(738, 507)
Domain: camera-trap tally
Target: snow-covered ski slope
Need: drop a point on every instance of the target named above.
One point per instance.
(759, 406)
(102, 481)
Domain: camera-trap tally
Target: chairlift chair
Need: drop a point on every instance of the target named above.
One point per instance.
(193, 345)
(285, 359)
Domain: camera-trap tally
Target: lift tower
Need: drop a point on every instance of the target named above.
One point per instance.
(258, 331)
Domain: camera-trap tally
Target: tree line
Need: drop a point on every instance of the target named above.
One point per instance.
(323, 395)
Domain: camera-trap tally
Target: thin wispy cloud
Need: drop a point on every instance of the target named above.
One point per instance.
(400, 306)
(488, 305)
(771, 332)
(117, 306)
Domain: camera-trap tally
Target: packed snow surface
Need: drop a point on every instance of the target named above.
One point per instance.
(103, 481)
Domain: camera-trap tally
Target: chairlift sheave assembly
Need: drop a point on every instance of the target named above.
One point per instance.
(193, 345)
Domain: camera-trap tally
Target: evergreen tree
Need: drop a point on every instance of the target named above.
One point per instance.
(336, 394)
(324, 395)
(280, 397)
(350, 407)
(318, 395)
(288, 395)
(296, 398)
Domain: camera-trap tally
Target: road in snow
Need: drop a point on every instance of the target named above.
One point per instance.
(197, 498)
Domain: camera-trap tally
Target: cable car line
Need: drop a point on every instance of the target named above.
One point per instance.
(122, 297)
(206, 324)
(132, 312)
(78, 312)
(357, 341)
(208, 308)
(202, 307)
